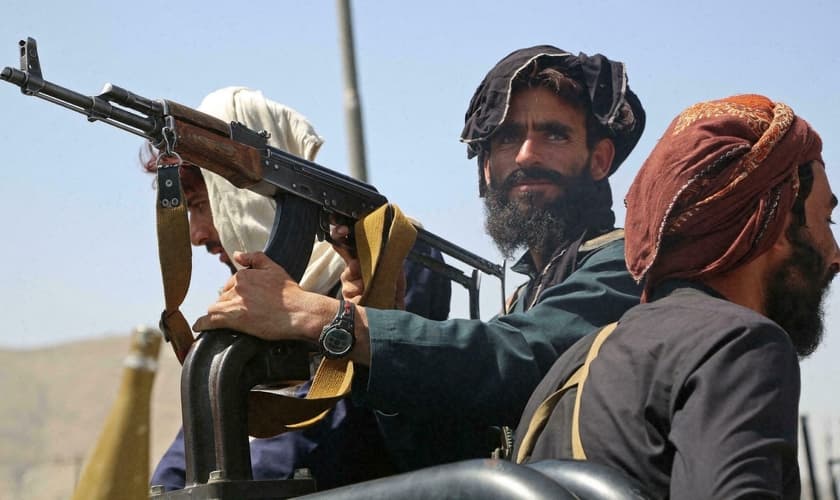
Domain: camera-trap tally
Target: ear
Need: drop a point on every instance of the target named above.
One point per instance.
(783, 245)
(782, 248)
(601, 159)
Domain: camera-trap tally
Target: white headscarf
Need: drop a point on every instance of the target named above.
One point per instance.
(243, 218)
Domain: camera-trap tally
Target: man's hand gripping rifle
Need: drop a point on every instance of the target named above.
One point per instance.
(307, 194)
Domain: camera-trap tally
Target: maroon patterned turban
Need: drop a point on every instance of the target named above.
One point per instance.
(716, 190)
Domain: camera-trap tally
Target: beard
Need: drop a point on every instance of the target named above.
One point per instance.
(530, 222)
(796, 293)
(212, 246)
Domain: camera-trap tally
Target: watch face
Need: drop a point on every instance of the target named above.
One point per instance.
(337, 342)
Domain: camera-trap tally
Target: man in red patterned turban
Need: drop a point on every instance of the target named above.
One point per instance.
(695, 393)
(715, 194)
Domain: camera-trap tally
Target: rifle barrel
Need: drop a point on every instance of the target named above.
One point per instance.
(95, 108)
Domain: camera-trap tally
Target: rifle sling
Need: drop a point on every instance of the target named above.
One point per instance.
(383, 240)
(543, 412)
(173, 231)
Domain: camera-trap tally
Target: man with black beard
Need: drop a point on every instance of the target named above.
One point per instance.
(545, 153)
(542, 227)
(524, 223)
(796, 290)
(695, 392)
(548, 128)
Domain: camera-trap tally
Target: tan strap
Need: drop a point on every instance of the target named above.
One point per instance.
(383, 240)
(577, 447)
(599, 241)
(270, 414)
(541, 415)
(510, 302)
(173, 231)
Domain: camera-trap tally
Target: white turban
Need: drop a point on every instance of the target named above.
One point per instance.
(243, 218)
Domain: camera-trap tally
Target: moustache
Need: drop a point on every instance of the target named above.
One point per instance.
(212, 246)
(533, 173)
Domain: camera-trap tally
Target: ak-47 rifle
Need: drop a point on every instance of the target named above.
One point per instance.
(303, 188)
(307, 194)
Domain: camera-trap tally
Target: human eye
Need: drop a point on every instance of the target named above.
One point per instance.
(505, 139)
(506, 135)
(556, 132)
(196, 205)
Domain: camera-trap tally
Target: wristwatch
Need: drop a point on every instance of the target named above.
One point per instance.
(337, 338)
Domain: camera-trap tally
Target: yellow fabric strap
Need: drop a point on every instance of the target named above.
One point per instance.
(577, 446)
(540, 417)
(173, 230)
(383, 240)
(544, 410)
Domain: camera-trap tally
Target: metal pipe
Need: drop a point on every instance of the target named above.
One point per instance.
(815, 494)
(352, 105)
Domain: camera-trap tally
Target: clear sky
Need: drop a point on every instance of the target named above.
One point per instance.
(79, 250)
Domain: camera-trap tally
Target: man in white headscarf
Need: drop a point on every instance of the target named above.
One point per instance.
(346, 447)
(243, 218)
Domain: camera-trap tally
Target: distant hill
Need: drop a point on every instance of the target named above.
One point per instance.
(54, 401)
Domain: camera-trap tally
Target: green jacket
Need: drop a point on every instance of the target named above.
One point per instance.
(439, 385)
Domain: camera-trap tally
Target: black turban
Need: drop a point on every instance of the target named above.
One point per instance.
(614, 105)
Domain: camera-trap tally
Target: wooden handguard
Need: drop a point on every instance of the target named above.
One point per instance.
(205, 141)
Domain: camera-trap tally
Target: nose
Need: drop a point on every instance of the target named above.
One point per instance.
(834, 261)
(529, 153)
(201, 228)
